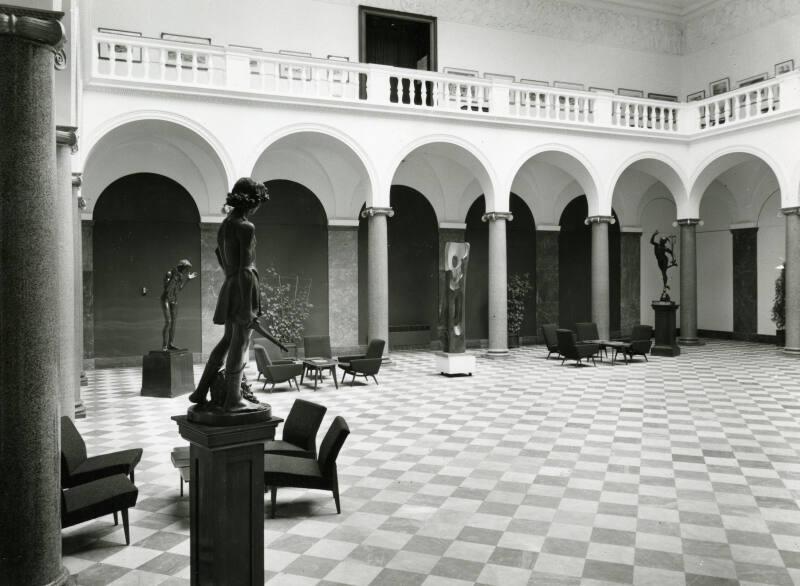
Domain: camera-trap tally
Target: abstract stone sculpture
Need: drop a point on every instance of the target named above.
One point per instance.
(456, 261)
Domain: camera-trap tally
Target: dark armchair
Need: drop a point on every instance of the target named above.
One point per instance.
(586, 331)
(550, 339)
(299, 431)
(640, 342)
(365, 365)
(78, 468)
(571, 349)
(104, 496)
(281, 371)
(288, 471)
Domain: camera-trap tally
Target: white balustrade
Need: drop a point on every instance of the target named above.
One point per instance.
(551, 104)
(644, 114)
(755, 101)
(138, 60)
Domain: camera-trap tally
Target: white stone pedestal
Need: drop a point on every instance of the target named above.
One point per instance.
(453, 364)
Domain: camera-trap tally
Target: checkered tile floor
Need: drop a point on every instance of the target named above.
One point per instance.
(678, 471)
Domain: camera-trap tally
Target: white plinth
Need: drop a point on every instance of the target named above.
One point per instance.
(450, 364)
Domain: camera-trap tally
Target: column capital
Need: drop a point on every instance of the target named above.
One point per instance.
(600, 220)
(377, 211)
(494, 216)
(77, 179)
(793, 211)
(41, 27)
(67, 136)
(688, 221)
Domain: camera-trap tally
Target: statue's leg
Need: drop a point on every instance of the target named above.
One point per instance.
(234, 367)
(165, 339)
(173, 312)
(215, 360)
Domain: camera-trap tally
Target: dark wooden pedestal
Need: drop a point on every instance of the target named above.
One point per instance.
(167, 373)
(666, 343)
(227, 501)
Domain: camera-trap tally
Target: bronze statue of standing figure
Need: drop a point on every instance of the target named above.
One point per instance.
(174, 281)
(238, 309)
(663, 248)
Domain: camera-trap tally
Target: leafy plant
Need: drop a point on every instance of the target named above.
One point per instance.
(284, 300)
(519, 287)
(779, 303)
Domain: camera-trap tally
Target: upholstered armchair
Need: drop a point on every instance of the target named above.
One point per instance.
(571, 349)
(365, 365)
(550, 339)
(289, 471)
(276, 373)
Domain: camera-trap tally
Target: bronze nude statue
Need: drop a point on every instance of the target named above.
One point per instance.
(238, 309)
(174, 281)
(663, 248)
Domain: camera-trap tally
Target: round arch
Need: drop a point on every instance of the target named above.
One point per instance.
(571, 162)
(347, 204)
(661, 168)
(163, 145)
(461, 152)
(717, 163)
(93, 139)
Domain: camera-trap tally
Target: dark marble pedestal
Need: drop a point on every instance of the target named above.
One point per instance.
(167, 373)
(227, 501)
(666, 343)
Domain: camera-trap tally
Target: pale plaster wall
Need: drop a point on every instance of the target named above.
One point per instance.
(715, 261)
(771, 253)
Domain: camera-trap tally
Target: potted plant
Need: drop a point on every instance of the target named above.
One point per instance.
(284, 301)
(519, 287)
(779, 307)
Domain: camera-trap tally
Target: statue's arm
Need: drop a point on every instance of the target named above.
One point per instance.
(653, 237)
(246, 235)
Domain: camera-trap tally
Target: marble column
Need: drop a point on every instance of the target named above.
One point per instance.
(378, 273)
(65, 272)
(448, 232)
(688, 268)
(498, 282)
(630, 279)
(601, 297)
(30, 294)
(87, 253)
(211, 279)
(547, 274)
(745, 283)
(77, 206)
(343, 287)
(792, 286)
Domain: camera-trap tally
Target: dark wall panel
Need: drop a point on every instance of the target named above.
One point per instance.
(292, 237)
(144, 224)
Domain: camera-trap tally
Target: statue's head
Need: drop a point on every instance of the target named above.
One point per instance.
(247, 194)
(184, 265)
(663, 240)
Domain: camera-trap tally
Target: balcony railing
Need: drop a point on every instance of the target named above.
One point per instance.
(154, 62)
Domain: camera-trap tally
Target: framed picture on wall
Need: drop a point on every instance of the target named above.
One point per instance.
(499, 77)
(696, 96)
(297, 72)
(628, 93)
(752, 79)
(662, 97)
(463, 89)
(535, 82)
(120, 52)
(784, 67)
(568, 85)
(601, 90)
(720, 86)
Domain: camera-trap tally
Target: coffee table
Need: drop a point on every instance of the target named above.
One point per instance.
(617, 345)
(316, 366)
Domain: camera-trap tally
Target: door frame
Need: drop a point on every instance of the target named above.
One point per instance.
(364, 11)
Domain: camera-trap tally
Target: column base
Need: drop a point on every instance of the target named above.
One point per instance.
(80, 410)
(791, 351)
(691, 342)
(64, 579)
(84, 379)
(497, 353)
